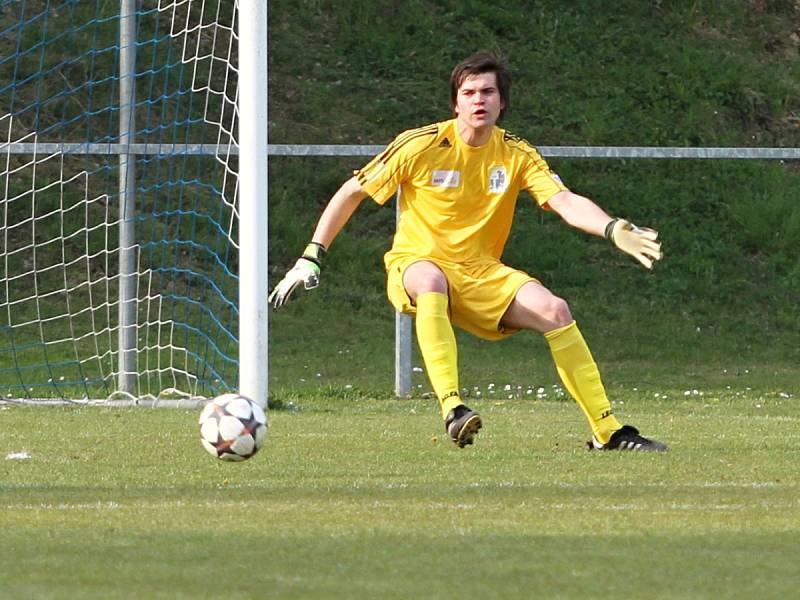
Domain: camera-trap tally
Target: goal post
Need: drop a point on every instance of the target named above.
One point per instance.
(253, 200)
(126, 313)
(128, 220)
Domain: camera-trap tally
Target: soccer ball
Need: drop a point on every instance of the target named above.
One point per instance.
(232, 427)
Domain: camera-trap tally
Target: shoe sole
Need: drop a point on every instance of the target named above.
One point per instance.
(468, 431)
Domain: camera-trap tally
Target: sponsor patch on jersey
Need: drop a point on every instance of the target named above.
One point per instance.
(447, 179)
(498, 180)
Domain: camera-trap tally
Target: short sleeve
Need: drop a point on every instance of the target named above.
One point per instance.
(381, 176)
(379, 179)
(537, 178)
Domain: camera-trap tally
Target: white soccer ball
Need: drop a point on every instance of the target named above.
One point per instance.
(232, 427)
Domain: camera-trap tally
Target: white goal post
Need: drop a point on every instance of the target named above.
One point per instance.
(253, 200)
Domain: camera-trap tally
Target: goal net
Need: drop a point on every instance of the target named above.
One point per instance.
(118, 213)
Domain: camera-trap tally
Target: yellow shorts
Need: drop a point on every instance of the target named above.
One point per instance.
(480, 292)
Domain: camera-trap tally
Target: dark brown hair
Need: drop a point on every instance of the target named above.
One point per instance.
(482, 62)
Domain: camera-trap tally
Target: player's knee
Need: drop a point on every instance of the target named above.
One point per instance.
(423, 277)
(558, 312)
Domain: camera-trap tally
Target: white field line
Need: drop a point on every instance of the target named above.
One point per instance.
(578, 505)
(93, 506)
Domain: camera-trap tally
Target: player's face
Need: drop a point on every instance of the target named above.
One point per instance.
(478, 103)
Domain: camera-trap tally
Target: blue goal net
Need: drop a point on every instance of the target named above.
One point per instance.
(118, 220)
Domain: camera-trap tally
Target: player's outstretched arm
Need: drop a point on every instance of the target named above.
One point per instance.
(640, 242)
(307, 268)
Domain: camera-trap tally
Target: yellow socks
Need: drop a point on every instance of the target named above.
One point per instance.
(580, 375)
(437, 342)
(574, 363)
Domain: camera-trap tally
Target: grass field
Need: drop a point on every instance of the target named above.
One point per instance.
(357, 495)
(365, 498)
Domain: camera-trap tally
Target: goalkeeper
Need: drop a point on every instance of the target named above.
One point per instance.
(459, 181)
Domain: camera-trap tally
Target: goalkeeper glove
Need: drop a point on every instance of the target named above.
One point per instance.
(640, 242)
(305, 271)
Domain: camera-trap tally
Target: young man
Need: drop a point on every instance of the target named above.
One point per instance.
(459, 181)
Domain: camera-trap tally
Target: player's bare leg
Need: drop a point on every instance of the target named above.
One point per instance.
(538, 309)
(426, 286)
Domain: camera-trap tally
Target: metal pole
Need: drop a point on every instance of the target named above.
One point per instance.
(402, 355)
(252, 201)
(127, 199)
(402, 341)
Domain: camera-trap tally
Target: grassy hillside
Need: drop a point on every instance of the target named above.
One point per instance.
(660, 73)
(585, 73)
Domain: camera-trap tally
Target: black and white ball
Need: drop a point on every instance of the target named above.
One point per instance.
(232, 427)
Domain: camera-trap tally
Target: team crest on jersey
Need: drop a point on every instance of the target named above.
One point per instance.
(447, 179)
(498, 180)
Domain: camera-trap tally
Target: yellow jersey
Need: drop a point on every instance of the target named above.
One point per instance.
(457, 201)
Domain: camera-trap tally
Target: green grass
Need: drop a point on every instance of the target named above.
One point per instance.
(683, 72)
(359, 496)
(362, 497)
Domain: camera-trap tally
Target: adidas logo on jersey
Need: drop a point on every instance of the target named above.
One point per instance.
(445, 143)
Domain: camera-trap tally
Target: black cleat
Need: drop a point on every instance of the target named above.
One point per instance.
(462, 424)
(627, 438)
